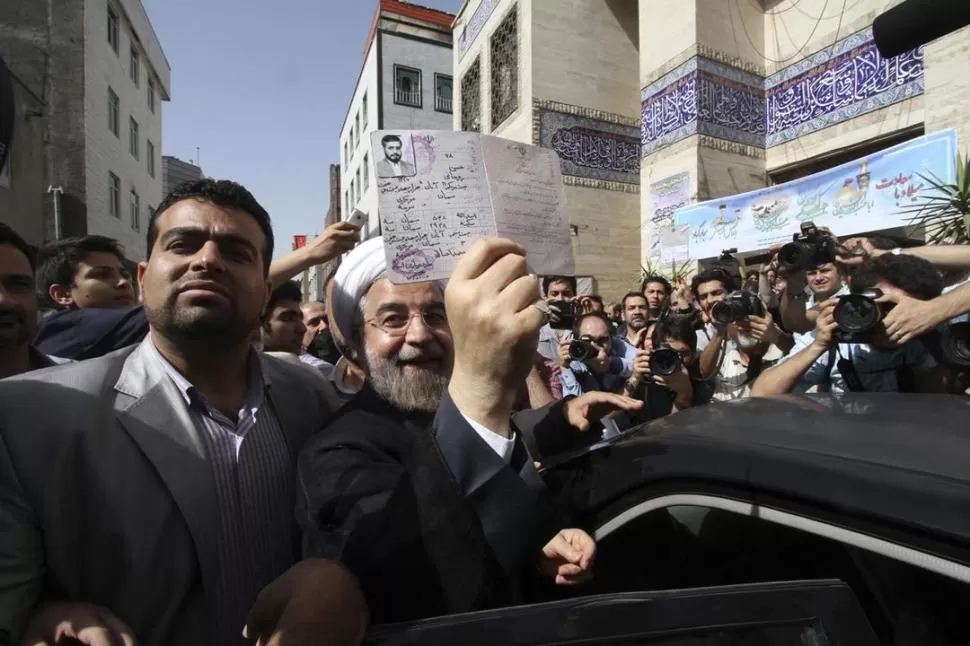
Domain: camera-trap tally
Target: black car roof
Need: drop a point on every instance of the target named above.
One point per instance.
(899, 458)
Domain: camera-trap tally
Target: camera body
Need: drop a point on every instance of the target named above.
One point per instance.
(858, 316)
(563, 314)
(665, 361)
(808, 248)
(737, 306)
(582, 350)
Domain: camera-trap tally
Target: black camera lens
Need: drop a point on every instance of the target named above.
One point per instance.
(724, 313)
(856, 313)
(665, 362)
(796, 256)
(581, 350)
(956, 345)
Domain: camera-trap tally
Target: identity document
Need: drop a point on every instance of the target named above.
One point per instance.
(439, 191)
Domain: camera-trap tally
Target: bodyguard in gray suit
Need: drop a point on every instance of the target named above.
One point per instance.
(152, 488)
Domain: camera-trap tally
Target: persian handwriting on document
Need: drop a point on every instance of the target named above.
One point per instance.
(527, 200)
(440, 191)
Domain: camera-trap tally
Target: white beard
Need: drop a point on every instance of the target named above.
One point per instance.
(417, 390)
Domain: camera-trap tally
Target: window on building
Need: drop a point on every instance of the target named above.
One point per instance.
(353, 195)
(365, 171)
(504, 50)
(114, 113)
(352, 145)
(346, 154)
(114, 196)
(113, 33)
(133, 137)
(471, 98)
(135, 208)
(151, 95)
(442, 93)
(360, 187)
(357, 126)
(135, 66)
(150, 157)
(346, 208)
(363, 109)
(407, 86)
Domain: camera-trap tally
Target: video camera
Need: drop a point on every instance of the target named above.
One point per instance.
(955, 343)
(562, 314)
(857, 316)
(808, 248)
(737, 306)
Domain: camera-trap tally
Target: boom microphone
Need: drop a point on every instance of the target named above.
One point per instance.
(916, 22)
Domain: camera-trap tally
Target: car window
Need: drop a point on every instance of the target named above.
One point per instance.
(691, 546)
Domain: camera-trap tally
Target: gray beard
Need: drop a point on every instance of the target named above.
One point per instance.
(419, 391)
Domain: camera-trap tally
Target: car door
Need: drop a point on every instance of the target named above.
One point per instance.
(801, 613)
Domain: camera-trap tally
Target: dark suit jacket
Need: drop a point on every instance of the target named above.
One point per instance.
(426, 515)
(90, 332)
(107, 497)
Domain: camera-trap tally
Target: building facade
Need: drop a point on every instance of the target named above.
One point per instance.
(405, 83)
(723, 97)
(175, 171)
(92, 78)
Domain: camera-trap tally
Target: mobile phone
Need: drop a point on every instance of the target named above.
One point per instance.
(358, 218)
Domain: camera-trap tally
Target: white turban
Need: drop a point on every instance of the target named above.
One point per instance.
(363, 265)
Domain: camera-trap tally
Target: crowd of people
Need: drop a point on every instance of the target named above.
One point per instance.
(215, 460)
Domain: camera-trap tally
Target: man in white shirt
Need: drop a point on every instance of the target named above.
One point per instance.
(820, 362)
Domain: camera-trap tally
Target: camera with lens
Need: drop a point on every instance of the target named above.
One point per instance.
(562, 314)
(665, 361)
(808, 248)
(955, 344)
(737, 306)
(582, 350)
(857, 316)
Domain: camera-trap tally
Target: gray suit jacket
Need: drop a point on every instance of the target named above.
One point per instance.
(106, 495)
(384, 169)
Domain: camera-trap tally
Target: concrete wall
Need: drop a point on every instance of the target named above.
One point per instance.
(431, 59)
(585, 53)
(175, 171)
(947, 97)
(106, 153)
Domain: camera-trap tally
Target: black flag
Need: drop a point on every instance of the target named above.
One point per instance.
(6, 113)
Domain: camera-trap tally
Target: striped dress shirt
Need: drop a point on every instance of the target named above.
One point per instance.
(254, 475)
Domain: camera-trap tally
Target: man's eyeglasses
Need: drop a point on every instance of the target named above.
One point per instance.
(397, 323)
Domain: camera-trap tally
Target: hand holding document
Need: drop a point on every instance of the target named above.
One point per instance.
(440, 191)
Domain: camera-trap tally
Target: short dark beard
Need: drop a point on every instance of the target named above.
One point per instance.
(421, 392)
(19, 334)
(209, 334)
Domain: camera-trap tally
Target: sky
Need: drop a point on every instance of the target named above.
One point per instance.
(261, 87)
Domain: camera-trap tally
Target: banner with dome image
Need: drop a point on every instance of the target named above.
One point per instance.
(865, 195)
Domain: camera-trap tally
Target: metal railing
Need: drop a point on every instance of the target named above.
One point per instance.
(442, 104)
(408, 98)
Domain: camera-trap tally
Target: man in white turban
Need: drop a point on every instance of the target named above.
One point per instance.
(422, 484)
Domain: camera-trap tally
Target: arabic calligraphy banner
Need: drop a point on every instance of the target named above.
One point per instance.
(864, 195)
(667, 242)
(592, 148)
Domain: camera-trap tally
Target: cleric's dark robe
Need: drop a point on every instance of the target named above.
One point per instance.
(422, 510)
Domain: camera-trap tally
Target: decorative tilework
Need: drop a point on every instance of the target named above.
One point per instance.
(707, 97)
(475, 25)
(591, 148)
(817, 93)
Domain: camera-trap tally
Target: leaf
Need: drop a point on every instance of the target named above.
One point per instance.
(944, 208)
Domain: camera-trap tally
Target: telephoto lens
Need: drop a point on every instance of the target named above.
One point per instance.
(796, 256)
(581, 350)
(857, 314)
(665, 362)
(737, 306)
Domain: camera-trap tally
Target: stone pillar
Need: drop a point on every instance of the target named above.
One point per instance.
(702, 108)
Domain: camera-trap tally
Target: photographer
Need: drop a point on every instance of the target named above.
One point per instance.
(589, 361)
(851, 349)
(741, 338)
(809, 262)
(662, 370)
